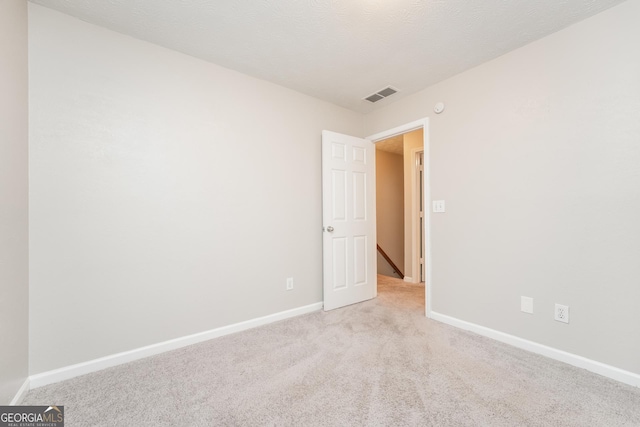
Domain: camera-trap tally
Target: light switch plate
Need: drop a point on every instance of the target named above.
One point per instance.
(438, 206)
(526, 304)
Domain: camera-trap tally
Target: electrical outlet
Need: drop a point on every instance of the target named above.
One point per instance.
(526, 304)
(562, 313)
(290, 283)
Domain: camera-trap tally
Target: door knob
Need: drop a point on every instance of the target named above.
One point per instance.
(329, 229)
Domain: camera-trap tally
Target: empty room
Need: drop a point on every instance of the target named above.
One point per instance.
(193, 200)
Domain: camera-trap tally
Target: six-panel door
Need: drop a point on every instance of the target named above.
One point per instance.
(349, 233)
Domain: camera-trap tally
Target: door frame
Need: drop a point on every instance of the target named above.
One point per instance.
(415, 217)
(399, 130)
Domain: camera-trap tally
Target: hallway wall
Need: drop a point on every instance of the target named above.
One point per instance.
(390, 209)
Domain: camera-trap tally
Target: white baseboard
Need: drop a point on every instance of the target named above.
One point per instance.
(83, 368)
(609, 371)
(408, 279)
(22, 392)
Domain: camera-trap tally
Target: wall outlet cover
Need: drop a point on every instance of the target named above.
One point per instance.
(561, 313)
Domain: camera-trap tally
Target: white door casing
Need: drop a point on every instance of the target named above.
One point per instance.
(349, 220)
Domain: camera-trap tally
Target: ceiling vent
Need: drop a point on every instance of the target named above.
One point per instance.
(381, 94)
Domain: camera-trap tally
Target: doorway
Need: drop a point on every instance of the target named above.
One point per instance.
(399, 206)
(419, 215)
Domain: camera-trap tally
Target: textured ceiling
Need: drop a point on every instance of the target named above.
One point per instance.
(338, 50)
(394, 145)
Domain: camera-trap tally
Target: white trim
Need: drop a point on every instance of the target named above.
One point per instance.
(83, 368)
(424, 124)
(406, 128)
(22, 392)
(408, 279)
(415, 217)
(426, 174)
(609, 371)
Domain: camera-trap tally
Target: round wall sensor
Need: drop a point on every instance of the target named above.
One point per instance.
(439, 108)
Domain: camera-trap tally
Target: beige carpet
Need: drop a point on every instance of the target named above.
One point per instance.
(379, 363)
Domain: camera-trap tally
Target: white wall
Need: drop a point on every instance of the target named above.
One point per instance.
(168, 195)
(14, 264)
(390, 210)
(537, 156)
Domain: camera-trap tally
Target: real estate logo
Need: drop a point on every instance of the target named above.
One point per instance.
(31, 416)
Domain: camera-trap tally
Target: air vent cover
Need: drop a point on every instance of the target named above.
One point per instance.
(381, 94)
(375, 97)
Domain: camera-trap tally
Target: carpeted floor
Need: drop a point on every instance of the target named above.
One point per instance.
(378, 363)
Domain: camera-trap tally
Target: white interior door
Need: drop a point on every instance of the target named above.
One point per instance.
(349, 220)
